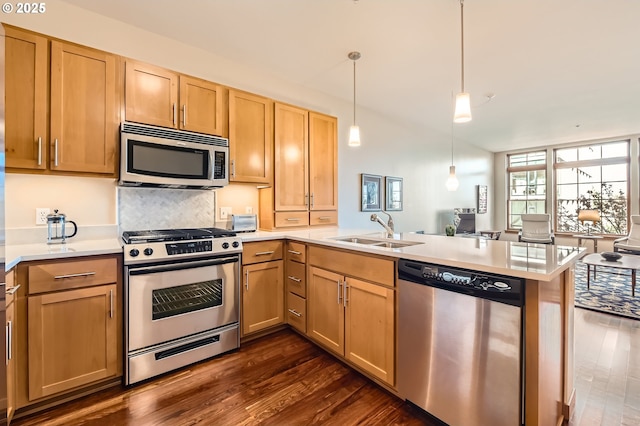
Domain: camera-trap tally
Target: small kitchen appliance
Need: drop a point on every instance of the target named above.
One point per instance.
(182, 294)
(243, 223)
(56, 228)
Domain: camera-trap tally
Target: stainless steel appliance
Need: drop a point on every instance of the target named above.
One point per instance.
(160, 157)
(182, 290)
(57, 228)
(460, 344)
(243, 223)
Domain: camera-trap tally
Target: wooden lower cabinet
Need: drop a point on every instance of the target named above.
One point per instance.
(354, 319)
(262, 296)
(11, 328)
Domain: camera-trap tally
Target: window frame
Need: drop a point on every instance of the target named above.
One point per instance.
(525, 168)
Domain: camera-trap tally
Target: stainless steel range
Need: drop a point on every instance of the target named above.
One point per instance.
(182, 291)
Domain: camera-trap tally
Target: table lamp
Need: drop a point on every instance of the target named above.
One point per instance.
(592, 216)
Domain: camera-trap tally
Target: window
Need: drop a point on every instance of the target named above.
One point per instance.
(527, 185)
(593, 177)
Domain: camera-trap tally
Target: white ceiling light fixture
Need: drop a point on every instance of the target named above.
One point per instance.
(462, 112)
(354, 131)
(452, 181)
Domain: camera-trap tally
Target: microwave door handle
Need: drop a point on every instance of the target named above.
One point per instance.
(212, 166)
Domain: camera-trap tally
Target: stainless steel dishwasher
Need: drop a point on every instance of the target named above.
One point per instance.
(460, 344)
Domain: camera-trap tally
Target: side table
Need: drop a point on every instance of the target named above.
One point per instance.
(593, 238)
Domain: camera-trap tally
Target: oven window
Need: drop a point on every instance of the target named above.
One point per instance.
(168, 302)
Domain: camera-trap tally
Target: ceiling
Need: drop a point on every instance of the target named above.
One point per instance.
(558, 71)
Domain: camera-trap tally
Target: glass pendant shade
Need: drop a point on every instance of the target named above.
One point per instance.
(354, 136)
(452, 181)
(463, 108)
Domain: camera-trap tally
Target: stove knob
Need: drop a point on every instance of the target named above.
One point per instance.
(225, 245)
(134, 252)
(235, 244)
(148, 251)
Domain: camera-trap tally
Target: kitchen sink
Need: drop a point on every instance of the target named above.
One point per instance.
(377, 242)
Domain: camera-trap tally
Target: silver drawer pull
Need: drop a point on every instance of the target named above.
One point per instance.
(324, 218)
(55, 152)
(294, 252)
(293, 311)
(40, 151)
(82, 274)
(13, 289)
(110, 303)
(264, 253)
(294, 279)
(293, 219)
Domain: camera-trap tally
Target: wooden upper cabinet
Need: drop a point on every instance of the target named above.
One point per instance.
(84, 109)
(151, 94)
(201, 106)
(26, 87)
(250, 137)
(323, 162)
(291, 158)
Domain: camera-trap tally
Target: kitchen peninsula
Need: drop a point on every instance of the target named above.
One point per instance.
(549, 294)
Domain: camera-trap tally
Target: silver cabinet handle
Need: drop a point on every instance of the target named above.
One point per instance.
(12, 290)
(312, 200)
(324, 218)
(55, 153)
(293, 219)
(110, 303)
(81, 274)
(40, 151)
(184, 115)
(263, 253)
(344, 297)
(294, 312)
(233, 168)
(174, 113)
(246, 279)
(294, 279)
(295, 252)
(306, 199)
(8, 340)
(339, 292)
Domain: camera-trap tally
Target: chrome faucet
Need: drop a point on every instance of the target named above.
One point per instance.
(387, 226)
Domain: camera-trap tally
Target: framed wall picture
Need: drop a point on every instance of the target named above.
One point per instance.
(393, 198)
(482, 198)
(371, 193)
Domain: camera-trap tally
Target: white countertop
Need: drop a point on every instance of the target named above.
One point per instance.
(534, 261)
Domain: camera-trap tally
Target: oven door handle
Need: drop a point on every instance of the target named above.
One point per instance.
(180, 266)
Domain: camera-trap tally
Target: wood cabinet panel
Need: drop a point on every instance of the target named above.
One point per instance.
(261, 251)
(250, 138)
(11, 342)
(325, 314)
(291, 219)
(26, 88)
(296, 251)
(56, 276)
(295, 278)
(323, 162)
(151, 94)
(369, 268)
(262, 296)
(297, 312)
(323, 217)
(71, 339)
(202, 105)
(291, 158)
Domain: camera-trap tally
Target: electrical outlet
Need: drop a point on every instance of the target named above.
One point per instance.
(41, 215)
(248, 210)
(225, 212)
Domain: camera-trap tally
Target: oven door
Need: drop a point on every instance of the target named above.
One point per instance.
(171, 301)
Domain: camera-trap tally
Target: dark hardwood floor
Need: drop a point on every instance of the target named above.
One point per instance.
(283, 379)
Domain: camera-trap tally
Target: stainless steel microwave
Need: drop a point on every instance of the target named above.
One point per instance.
(167, 158)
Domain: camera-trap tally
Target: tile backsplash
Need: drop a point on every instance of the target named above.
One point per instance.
(163, 208)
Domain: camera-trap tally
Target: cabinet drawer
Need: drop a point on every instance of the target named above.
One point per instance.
(65, 275)
(295, 278)
(261, 251)
(290, 219)
(10, 291)
(374, 269)
(297, 312)
(323, 218)
(296, 251)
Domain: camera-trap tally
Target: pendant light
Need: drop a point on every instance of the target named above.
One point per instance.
(452, 181)
(462, 112)
(354, 131)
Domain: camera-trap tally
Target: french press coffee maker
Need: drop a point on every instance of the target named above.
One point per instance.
(56, 224)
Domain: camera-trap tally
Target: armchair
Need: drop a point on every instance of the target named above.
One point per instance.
(536, 228)
(630, 243)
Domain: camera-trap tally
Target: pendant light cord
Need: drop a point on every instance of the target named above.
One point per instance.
(354, 92)
(462, 42)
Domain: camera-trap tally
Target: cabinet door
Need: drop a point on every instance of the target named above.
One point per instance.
(26, 86)
(202, 105)
(325, 312)
(72, 339)
(262, 296)
(11, 360)
(151, 94)
(291, 158)
(370, 325)
(84, 110)
(250, 138)
(323, 162)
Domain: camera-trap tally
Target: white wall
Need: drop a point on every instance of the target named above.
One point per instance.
(418, 155)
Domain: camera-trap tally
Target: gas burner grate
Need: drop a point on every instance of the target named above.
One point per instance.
(168, 302)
